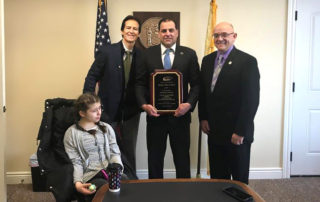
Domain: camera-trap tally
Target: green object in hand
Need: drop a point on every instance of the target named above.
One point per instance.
(92, 187)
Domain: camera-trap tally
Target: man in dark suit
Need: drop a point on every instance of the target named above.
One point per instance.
(114, 68)
(229, 98)
(176, 125)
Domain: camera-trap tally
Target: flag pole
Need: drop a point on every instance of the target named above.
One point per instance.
(199, 152)
(209, 48)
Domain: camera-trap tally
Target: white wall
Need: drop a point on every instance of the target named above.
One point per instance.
(50, 49)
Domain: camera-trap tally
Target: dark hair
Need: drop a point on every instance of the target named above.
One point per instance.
(167, 20)
(130, 17)
(84, 101)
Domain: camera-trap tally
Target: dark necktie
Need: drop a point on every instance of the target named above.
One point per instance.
(127, 66)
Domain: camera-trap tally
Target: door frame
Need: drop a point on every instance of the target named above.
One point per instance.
(288, 105)
(3, 187)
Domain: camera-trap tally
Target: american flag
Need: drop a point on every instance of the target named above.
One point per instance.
(102, 28)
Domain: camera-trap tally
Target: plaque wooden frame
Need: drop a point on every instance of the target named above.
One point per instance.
(155, 90)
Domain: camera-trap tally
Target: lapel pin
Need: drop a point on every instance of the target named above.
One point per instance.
(119, 66)
(181, 53)
(230, 62)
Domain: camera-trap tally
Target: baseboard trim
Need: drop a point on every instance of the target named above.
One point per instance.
(266, 173)
(255, 173)
(171, 173)
(18, 177)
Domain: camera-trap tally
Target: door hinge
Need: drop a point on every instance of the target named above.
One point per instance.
(296, 16)
(293, 87)
(290, 156)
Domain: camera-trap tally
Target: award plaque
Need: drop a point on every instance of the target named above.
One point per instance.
(166, 90)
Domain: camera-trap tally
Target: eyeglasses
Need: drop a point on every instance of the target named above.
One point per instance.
(223, 34)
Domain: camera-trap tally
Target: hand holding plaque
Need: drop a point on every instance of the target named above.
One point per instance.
(166, 90)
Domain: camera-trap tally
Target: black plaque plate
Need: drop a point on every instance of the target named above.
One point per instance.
(166, 90)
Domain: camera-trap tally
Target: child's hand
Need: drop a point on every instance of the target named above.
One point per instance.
(84, 188)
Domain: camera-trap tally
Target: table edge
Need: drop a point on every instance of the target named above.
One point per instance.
(101, 192)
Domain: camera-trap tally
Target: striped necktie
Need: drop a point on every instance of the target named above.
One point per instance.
(216, 72)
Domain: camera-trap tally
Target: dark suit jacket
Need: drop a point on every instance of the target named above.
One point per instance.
(118, 103)
(233, 104)
(185, 61)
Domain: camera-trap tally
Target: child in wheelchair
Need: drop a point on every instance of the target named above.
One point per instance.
(91, 146)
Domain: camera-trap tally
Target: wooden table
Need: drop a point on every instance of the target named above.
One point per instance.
(172, 190)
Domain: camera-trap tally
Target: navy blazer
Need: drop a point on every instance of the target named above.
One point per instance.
(118, 102)
(185, 61)
(232, 106)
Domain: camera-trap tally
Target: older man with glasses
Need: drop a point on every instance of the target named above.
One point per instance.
(229, 99)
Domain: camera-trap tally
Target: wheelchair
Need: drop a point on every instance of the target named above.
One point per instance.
(54, 162)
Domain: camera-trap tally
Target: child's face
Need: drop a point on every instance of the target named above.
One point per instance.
(93, 114)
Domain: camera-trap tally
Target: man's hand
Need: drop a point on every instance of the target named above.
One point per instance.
(83, 188)
(236, 139)
(205, 126)
(182, 109)
(151, 111)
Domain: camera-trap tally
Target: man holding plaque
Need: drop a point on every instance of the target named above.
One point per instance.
(114, 68)
(173, 69)
(228, 102)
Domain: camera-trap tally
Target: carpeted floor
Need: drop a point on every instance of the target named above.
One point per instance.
(298, 189)
(24, 193)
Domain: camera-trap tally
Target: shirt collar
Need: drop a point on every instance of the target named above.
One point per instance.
(125, 48)
(225, 54)
(163, 48)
